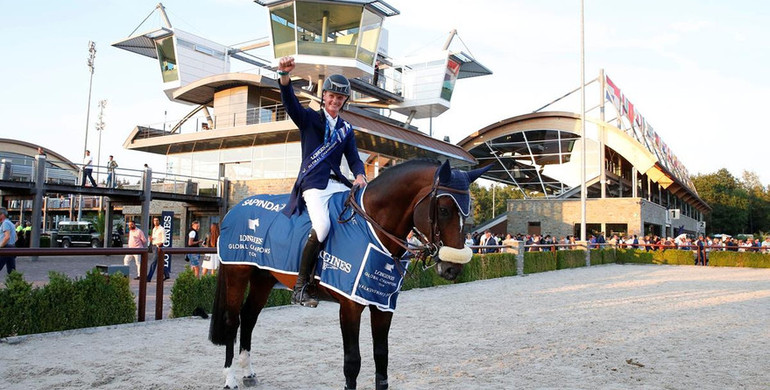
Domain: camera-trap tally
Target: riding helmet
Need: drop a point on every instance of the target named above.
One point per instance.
(337, 83)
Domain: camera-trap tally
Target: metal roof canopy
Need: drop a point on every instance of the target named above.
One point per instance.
(378, 5)
(469, 67)
(144, 43)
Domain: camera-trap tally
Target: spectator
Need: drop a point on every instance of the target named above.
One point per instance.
(468, 239)
(112, 180)
(194, 241)
(136, 239)
(7, 240)
(88, 168)
(158, 238)
(213, 260)
(700, 252)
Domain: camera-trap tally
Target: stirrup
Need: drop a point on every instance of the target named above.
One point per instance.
(301, 296)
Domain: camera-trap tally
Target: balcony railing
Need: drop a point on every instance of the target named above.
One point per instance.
(252, 116)
(21, 169)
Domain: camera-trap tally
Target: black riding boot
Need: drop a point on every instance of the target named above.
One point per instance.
(303, 293)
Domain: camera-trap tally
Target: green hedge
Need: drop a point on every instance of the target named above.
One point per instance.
(488, 266)
(603, 256)
(570, 259)
(633, 256)
(417, 277)
(673, 257)
(668, 256)
(190, 292)
(739, 259)
(539, 262)
(62, 304)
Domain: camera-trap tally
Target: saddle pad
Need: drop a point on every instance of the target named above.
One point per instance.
(352, 262)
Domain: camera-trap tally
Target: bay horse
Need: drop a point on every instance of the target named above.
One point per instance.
(424, 195)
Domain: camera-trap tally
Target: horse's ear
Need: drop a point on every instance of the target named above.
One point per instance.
(476, 173)
(445, 172)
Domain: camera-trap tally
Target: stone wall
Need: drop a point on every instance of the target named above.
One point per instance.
(558, 217)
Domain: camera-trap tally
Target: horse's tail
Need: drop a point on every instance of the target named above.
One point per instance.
(218, 331)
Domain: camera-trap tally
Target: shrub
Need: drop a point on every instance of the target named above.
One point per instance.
(95, 300)
(739, 259)
(189, 293)
(107, 300)
(419, 277)
(673, 257)
(570, 259)
(15, 306)
(539, 262)
(488, 266)
(59, 305)
(633, 256)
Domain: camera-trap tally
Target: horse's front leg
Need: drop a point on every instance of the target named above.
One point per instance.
(260, 285)
(350, 323)
(380, 329)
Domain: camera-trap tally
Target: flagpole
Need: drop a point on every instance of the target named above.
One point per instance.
(583, 189)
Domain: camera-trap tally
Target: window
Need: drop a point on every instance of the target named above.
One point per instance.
(282, 24)
(167, 59)
(533, 227)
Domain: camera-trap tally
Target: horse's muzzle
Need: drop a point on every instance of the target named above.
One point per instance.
(454, 255)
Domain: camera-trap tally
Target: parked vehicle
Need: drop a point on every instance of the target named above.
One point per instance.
(73, 233)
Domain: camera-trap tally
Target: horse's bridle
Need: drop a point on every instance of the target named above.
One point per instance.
(427, 252)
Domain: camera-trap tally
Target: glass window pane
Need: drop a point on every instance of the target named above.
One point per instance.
(370, 37)
(282, 23)
(328, 29)
(167, 59)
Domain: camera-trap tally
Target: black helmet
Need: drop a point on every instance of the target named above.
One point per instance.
(337, 83)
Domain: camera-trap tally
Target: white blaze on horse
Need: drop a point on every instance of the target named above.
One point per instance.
(423, 196)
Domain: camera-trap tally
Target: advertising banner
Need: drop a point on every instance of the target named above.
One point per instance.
(167, 221)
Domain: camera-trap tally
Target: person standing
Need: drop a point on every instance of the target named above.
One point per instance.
(324, 138)
(88, 169)
(158, 238)
(136, 239)
(7, 240)
(213, 262)
(194, 241)
(112, 180)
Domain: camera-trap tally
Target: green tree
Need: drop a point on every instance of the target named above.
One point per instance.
(759, 203)
(493, 198)
(728, 199)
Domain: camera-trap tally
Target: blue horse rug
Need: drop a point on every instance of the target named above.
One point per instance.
(353, 261)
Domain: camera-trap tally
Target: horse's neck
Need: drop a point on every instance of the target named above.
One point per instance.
(392, 206)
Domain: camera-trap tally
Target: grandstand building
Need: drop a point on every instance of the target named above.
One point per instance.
(635, 183)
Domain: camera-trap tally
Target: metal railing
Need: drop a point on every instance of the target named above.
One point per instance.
(22, 170)
(252, 116)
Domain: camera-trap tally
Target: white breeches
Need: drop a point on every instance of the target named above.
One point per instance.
(317, 202)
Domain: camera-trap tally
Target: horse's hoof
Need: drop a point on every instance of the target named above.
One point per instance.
(228, 387)
(381, 384)
(250, 381)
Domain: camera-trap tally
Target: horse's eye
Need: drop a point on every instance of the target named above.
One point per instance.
(443, 212)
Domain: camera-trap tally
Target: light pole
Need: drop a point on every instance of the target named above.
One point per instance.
(91, 56)
(99, 126)
(583, 187)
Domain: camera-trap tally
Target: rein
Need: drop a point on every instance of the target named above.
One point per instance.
(430, 244)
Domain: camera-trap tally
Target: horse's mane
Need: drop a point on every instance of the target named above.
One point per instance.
(397, 171)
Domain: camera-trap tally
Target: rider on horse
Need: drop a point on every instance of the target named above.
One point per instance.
(325, 138)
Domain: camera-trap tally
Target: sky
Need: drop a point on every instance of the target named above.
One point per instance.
(696, 70)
